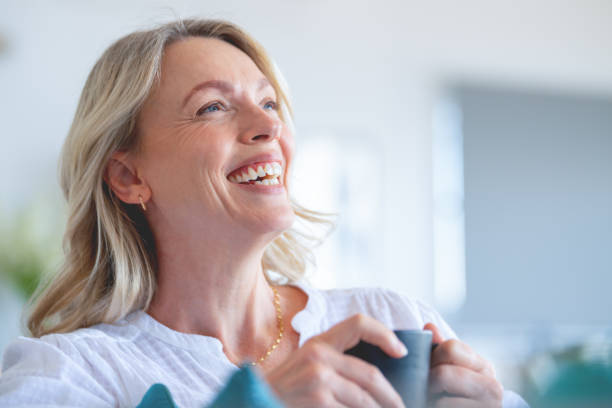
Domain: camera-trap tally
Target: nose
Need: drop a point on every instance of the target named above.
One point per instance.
(260, 126)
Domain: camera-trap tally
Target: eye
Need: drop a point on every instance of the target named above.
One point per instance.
(270, 105)
(213, 107)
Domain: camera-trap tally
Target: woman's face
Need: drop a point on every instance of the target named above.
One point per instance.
(213, 147)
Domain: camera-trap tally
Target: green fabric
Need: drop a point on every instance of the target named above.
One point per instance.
(244, 389)
(157, 396)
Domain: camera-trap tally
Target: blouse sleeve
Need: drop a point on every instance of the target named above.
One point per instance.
(398, 311)
(37, 373)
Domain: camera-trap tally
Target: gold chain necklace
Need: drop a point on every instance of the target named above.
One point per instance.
(279, 324)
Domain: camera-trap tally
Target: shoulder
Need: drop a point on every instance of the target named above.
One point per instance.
(62, 364)
(74, 346)
(86, 345)
(395, 310)
(51, 366)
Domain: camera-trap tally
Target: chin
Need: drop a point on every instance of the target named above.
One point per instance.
(275, 222)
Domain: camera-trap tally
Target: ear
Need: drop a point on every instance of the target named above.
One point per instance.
(122, 177)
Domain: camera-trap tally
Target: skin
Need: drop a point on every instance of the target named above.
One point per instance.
(211, 235)
(459, 377)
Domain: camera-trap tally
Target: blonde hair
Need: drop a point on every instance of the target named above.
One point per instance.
(109, 268)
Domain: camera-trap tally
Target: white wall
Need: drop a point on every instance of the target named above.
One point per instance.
(377, 67)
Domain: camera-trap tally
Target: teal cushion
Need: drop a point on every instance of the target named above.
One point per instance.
(574, 384)
(244, 389)
(157, 396)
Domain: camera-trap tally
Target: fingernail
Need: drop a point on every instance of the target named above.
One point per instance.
(401, 348)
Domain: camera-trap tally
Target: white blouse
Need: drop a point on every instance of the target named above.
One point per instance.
(113, 365)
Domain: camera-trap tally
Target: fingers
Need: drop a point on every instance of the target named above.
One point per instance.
(320, 375)
(454, 402)
(347, 334)
(464, 382)
(370, 379)
(368, 383)
(349, 394)
(459, 376)
(437, 336)
(332, 390)
(455, 352)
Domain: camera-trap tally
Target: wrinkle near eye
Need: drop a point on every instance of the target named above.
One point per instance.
(182, 132)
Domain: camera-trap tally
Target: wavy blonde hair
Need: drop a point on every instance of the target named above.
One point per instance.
(109, 268)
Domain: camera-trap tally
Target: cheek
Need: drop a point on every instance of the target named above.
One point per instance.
(175, 171)
(287, 145)
(168, 178)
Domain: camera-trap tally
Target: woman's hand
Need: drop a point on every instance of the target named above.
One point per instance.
(320, 375)
(459, 377)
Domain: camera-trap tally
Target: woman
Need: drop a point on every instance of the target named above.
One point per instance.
(176, 175)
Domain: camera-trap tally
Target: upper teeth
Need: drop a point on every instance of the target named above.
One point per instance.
(252, 173)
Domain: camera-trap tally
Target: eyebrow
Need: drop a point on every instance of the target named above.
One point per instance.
(223, 86)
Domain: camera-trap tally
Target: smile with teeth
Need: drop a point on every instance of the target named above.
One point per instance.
(260, 173)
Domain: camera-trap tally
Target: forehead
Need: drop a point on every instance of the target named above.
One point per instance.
(197, 59)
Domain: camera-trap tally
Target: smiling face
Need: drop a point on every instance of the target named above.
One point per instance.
(213, 148)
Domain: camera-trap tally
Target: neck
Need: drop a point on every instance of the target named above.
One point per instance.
(215, 288)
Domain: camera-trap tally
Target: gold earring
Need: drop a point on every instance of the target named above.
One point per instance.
(142, 204)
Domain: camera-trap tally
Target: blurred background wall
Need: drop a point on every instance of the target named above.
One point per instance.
(383, 92)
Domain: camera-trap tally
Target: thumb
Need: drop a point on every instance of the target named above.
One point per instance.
(436, 336)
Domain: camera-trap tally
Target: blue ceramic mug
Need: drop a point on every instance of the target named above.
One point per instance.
(409, 374)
